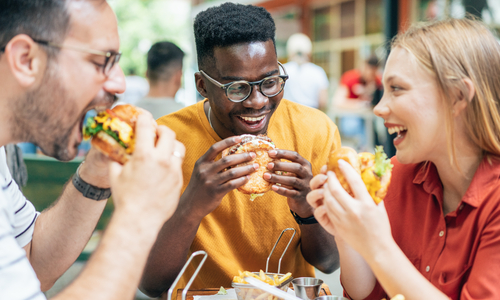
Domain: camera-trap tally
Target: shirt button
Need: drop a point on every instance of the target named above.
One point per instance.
(441, 233)
(427, 269)
(461, 207)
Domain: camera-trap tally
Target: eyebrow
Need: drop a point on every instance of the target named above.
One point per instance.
(390, 78)
(234, 78)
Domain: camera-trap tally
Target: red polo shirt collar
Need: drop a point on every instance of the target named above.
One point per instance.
(485, 178)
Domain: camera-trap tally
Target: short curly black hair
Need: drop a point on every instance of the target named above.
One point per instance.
(230, 24)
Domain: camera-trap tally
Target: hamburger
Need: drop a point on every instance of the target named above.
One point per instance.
(112, 132)
(260, 145)
(375, 170)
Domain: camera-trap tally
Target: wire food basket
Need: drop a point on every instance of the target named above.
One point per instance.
(188, 285)
(246, 291)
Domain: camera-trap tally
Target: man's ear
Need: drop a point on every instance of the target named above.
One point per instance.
(24, 59)
(464, 97)
(200, 84)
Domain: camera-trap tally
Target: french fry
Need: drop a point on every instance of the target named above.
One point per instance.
(262, 296)
(250, 274)
(285, 277)
(262, 276)
(238, 279)
(268, 280)
(276, 279)
(249, 295)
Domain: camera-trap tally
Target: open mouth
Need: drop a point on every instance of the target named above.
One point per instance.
(401, 133)
(253, 122)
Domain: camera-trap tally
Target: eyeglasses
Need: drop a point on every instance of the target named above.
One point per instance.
(239, 91)
(111, 57)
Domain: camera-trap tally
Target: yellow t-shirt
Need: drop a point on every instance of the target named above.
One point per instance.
(240, 234)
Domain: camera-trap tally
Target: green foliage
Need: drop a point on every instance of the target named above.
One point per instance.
(141, 23)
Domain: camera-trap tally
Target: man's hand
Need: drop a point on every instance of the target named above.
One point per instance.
(95, 169)
(149, 184)
(211, 181)
(293, 183)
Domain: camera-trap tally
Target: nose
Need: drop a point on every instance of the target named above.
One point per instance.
(115, 83)
(256, 100)
(382, 109)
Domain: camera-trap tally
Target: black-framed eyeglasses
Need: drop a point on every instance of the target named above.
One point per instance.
(238, 91)
(111, 57)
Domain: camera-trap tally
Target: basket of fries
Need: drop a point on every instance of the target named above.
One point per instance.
(245, 291)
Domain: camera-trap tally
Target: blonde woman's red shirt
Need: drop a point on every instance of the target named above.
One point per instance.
(459, 252)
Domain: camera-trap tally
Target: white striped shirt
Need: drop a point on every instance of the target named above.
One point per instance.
(24, 211)
(18, 280)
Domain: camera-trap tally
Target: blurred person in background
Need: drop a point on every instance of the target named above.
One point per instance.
(357, 90)
(58, 60)
(164, 75)
(307, 83)
(357, 87)
(137, 88)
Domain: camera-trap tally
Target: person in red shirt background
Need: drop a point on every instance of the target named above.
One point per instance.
(437, 233)
(359, 85)
(358, 90)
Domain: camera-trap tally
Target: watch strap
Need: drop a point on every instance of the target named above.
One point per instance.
(304, 221)
(88, 190)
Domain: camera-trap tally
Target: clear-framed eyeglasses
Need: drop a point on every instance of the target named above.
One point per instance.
(238, 91)
(110, 58)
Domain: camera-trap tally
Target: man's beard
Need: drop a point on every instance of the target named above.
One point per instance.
(47, 117)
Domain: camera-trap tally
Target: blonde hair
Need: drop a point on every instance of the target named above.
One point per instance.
(454, 50)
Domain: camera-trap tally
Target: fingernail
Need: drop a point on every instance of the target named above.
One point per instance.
(270, 166)
(272, 152)
(267, 176)
(237, 139)
(275, 188)
(342, 162)
(253, 155)
(321, 191)
(256, 166)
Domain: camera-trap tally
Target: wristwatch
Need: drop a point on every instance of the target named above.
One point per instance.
(88, 190)
(304, 221)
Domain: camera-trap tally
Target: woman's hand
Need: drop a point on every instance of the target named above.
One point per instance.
(358, 221)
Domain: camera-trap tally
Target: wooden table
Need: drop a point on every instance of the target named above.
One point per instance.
(325, 290)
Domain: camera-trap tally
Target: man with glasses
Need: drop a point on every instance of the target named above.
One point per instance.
(58, 60)
(243, 83)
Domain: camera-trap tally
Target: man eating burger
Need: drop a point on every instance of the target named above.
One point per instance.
(243, 82)
(58, 60)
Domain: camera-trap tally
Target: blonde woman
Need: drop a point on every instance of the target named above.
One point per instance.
(437, 234)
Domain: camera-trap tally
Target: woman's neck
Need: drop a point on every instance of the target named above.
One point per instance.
(456, 179)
